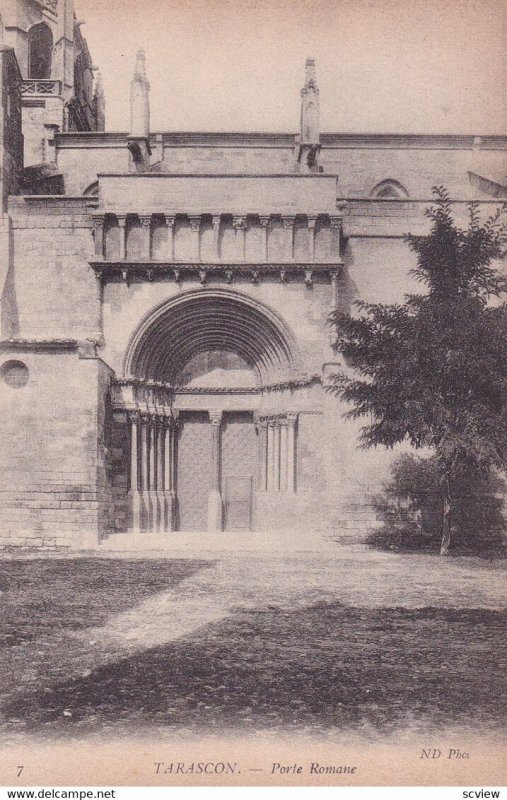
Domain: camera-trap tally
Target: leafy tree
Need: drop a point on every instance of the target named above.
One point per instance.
(433, 370)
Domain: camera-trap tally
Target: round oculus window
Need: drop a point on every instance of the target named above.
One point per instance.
(14, 374)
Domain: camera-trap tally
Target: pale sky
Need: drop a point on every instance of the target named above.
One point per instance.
(414, 66)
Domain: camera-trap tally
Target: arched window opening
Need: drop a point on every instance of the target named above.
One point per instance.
(389, 190)
(40, 50)
(92, 190)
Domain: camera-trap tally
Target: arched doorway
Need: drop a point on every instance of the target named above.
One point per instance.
(211, 354)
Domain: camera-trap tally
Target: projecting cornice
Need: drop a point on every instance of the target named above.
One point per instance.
(286, 140)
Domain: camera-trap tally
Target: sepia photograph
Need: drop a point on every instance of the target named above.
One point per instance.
(253, 393)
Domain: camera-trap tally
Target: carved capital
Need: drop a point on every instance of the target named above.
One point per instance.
(239, 223)
(309, 278)
(216, 221)
(195, 222)
(122, 220)
(292, 418)
(215, 417)
(98, 223)
(169, 220)
(134, 415)
(264, 220)
(288, 222)
(145, 220)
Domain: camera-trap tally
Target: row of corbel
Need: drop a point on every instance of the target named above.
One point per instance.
(255, 273)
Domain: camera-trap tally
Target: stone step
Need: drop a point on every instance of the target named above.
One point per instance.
(286, 541)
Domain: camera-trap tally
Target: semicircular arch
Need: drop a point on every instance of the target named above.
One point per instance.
(206, 320)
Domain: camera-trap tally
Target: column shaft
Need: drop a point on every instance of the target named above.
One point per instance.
(276, 457)
(98, 235)
(144, 486)
(215, 508)
(270, 461)
(264, 226)
(170, 238)
(291, 452)
(135, 497)
(122, 225)
(146, 231)
(283, 457)
(312, 221)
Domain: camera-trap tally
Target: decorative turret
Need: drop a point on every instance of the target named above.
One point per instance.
(99, 104)
(139, 137)
(308, 141)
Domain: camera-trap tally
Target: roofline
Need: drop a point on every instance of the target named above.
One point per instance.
(287, 140)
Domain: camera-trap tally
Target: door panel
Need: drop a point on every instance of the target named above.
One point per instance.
(239, 469)
(193, 471)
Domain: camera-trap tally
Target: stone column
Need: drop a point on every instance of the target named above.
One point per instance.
(195, 226)
(215, 509)
(288, 224)
(161, 512)
(239, 225)
(270, 482)
(333, 305)
(98, 236)
(276, 456)
(152, 475)
(291, 452)
(145, 221)
(262, 433)
(122, 225)
(144, 486)
(168, 474)
(135, 496)
(216, 236)
(312, 221)
(283, 456)
(170, 237)
(99, 305)
(264, 226)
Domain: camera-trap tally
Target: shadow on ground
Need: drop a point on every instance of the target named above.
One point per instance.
(324, 667)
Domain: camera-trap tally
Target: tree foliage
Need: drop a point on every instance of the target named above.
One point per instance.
(433, 370)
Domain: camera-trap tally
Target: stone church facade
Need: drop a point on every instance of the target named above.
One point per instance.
(164, 346)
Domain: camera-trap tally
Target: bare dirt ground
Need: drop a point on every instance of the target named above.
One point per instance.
(350, 639)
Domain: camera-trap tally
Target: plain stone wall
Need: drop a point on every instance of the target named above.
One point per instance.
(52, 458)
(359, 166)
(54, 291)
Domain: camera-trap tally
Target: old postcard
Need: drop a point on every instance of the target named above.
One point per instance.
(252, 393)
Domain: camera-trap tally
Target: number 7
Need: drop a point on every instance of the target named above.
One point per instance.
(20, 770)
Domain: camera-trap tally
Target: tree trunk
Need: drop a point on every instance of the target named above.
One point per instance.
(446, 521)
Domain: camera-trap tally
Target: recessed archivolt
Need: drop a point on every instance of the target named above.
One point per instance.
(210, 320)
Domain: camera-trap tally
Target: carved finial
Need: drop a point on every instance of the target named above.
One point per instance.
(139, 139)
(311, 75)
(99, 102)
(140, 68)
(310, 132)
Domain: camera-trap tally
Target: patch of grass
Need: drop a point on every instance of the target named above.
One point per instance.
(41, 596)
(324, 667)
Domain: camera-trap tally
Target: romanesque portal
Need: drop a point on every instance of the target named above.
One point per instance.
(203, 445)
